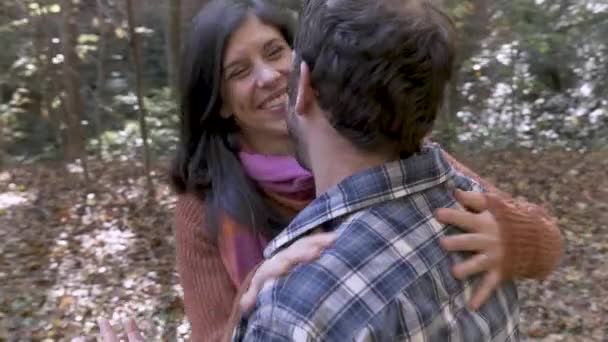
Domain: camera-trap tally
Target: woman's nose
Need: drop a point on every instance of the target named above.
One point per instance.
(267, 76)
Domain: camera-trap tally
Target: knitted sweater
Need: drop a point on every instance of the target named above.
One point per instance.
(533, 246)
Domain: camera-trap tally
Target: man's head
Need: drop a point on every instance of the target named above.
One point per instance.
(377, 71)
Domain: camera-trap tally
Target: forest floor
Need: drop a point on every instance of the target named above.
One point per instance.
(71, 252)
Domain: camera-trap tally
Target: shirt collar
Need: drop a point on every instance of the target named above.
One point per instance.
(376, 185)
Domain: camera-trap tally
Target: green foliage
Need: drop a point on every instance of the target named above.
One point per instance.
(126, 143)
(532, 73)
(535, 78)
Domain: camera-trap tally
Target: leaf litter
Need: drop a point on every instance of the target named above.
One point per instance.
(73, 252)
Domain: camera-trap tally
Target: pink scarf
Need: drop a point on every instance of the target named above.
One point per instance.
(279, 176)
(282, 175)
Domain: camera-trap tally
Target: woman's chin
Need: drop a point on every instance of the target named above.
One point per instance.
(280, 128)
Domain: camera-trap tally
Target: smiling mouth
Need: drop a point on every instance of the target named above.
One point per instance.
(275, 100)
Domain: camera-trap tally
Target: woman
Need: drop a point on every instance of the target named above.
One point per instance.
(238, 185)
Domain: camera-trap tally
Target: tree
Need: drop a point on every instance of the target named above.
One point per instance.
(74, 147)
(471, 19)
(174, 44)
(139, 87)
(100, 69)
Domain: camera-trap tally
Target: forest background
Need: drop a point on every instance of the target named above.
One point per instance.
(88, 121)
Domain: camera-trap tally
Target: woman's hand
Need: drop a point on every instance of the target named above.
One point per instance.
(131, 329)
(304, 250)
(109, 335)
(482, 237)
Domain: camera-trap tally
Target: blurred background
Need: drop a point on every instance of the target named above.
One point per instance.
(88, 121)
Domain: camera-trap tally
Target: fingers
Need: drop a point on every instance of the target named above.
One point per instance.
(270, 269)
(78, 339)
(273, 268)
(319, 239)
(473, 265)
(263, 273)
(473, 201)
(132, 330)
(467, 242)
(462, 219)
(497, 203)
(109, 335)
(304, 250)
(247, 302)
(483, 227)
(490, 282)
(106, 331)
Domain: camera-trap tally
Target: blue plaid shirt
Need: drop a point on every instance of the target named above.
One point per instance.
(386, 278)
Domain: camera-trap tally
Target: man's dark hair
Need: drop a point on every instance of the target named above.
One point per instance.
(378, 67)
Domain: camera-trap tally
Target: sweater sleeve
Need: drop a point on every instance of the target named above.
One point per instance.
(208, 291)
(532, 241)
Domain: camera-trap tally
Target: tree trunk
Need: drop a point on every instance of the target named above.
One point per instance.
(475, 27)
(101, 75)
(174, 44)
(40, 43)
(75, 140)
(44, 55)
(3, 129)
(516, 94)
(139, 85)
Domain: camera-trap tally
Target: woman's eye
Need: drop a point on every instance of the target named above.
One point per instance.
(237, 73)
(275, 51)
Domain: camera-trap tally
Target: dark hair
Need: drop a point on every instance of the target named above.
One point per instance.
(379, 68)
(206, 163)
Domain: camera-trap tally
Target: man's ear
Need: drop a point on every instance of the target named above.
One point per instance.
(305, 97)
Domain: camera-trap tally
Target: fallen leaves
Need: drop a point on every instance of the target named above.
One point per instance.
(73, 252)
(572, 304)
(65, 302)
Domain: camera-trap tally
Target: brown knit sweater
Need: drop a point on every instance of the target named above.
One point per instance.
(533, 247)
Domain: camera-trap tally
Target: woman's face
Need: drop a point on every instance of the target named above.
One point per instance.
(256, 65)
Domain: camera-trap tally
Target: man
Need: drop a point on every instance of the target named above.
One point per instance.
(367, 85)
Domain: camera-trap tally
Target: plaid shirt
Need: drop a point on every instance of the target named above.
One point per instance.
(386, 278)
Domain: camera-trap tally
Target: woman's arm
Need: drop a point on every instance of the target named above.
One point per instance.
(208, 291)
(531, 241)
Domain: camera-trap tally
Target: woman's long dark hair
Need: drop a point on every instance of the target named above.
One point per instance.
(206, 163)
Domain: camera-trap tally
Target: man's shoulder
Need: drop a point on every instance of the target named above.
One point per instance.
(363, 233)
(360, 274)
(384, 252)
(381, 227)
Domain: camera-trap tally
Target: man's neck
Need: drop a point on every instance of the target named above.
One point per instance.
(336, 160)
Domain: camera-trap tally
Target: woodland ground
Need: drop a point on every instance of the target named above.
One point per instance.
(72, 252)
